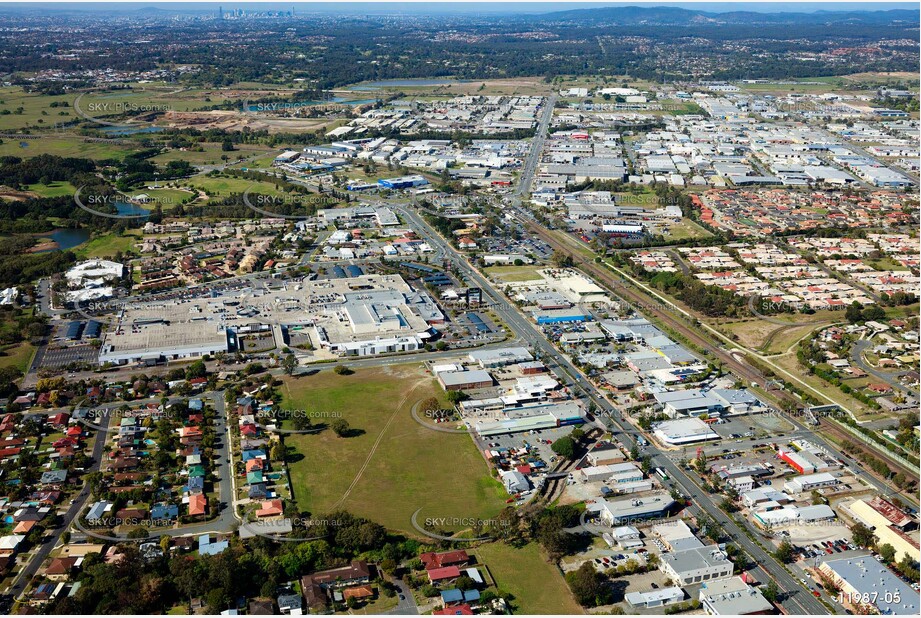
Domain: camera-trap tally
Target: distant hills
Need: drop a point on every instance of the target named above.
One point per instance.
(675, 16)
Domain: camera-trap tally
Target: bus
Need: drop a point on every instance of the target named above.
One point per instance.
(660, 472)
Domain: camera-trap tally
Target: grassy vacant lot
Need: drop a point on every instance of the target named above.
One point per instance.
(18, 356)
(686, 229)
(771, 338)
(393, 466)
(28, 109)
(217, 186)
(64, 147)
(514, 273)
(211, 154)
(55, 189)
(108, 245)
(538, 586)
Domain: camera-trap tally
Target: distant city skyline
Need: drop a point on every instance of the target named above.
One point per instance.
(475, 6)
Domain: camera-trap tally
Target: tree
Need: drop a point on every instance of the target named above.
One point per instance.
(564, 447)
(342, 370)
(771, 591)
(887, 553)
(863, 536)
(289, 364)
(588, 586)
(784, 552)
(854, 313)
(340, 427)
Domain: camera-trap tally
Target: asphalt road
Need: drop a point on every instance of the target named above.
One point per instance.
(51, 540)
(796, 597)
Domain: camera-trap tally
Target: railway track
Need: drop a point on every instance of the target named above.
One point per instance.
(750, 374)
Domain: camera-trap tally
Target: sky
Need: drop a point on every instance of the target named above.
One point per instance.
(477, 6)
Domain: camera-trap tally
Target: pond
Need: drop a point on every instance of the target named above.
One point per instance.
(66, 238)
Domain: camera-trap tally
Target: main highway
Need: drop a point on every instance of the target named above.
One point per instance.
(610, 419)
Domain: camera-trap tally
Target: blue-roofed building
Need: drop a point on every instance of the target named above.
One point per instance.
(164, 512)
(353, 271)
(74, 329)
(336, 272)
(471, 595)
(93, 330)
(257, 492)
(196, 404)
(253, 454)
(420, 267)
(98, 510)
(402, 182)
(452, 596)
(477, 322)
(196, 484)
(207, 548)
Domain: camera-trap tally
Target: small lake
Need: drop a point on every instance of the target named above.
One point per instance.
(131, 210)
(66, 238)
(386, 83)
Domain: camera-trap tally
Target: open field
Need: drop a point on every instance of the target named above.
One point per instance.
(18, 356)
(790, 363)
(211, 154)
(222, 186)
(33, 109)
(64, 146)
(770, 338)
(538, 586)
(107, 245)
(55, 189)
(513, 273)
(686, 229)
(392, 466)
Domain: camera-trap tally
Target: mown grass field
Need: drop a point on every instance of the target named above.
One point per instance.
(394, 466)
(55, 189)
(538, 586)
(218, 186)
(211, 154)
(514, 273)
(18, 356)
(108, 245)
(64, 146)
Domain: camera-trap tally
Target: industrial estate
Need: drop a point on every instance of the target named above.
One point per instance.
(353, 335)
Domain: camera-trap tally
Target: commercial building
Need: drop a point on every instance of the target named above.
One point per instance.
(733, 597)
(464, 380)
(696, 565)
(626, 472)
(793, 515)
(530, 418)
(402, 182)
(870, 587)
(655, 598)
(684, 431)
(691, 402)
(810, 482)
(620, 512)
(891, 525)
(165, 331)
(488, 359)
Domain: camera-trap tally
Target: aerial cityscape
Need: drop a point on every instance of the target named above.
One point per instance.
(424, 308)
